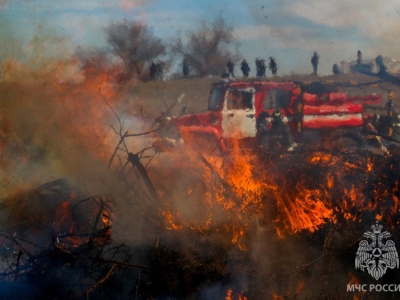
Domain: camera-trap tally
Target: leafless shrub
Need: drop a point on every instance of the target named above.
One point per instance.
(135, 44)
(206, 49)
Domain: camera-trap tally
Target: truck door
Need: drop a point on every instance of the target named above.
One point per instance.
(238, 113)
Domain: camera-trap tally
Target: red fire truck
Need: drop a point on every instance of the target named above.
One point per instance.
(234, 108)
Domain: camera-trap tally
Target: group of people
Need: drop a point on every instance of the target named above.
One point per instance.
(261, 68)
(229, 71)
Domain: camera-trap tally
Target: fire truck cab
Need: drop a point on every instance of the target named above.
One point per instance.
(234, 108)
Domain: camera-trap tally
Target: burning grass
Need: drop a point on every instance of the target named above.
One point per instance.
(240, 225)
(202, 225)
(313, 195)
(244, 184)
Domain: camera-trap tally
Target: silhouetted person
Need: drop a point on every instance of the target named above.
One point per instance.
(231, 67)
(359, 57)
(245, 68)
(185, 68)
(184, 109)
(160, 69)
(360, 67)
(335, 69)
(272, 66)
(315, 61)
(381, 66)
(153, 71)
(260, 65)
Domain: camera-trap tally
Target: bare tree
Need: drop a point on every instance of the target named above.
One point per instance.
(206, 49)
(135, 44)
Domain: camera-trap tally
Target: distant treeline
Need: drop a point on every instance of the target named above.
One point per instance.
(208, 50)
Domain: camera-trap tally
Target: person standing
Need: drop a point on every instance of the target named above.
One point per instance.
(231, 67)
(281, 131)
(185, 68)
(315, 62)
(273, 66)
(153, 71)
(245, 68)
(160, 69)
(260, 65)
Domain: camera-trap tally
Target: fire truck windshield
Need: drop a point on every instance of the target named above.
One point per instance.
(216, 99)
(240, 99)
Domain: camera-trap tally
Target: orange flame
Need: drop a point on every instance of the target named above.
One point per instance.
(241, 181)
(277, 297)
(169, 221)
(243, 189)
(330, 181)
(228, 295)
(231, 296)
(320, 157)
(369, 165)
(353, 279)
(306, 210)
(300, 287)
(239, 174)
(238, 235)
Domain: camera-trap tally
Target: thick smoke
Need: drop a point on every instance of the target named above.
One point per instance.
(57, 119)
(59, 123)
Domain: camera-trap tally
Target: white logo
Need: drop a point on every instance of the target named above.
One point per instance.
(377, 256)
